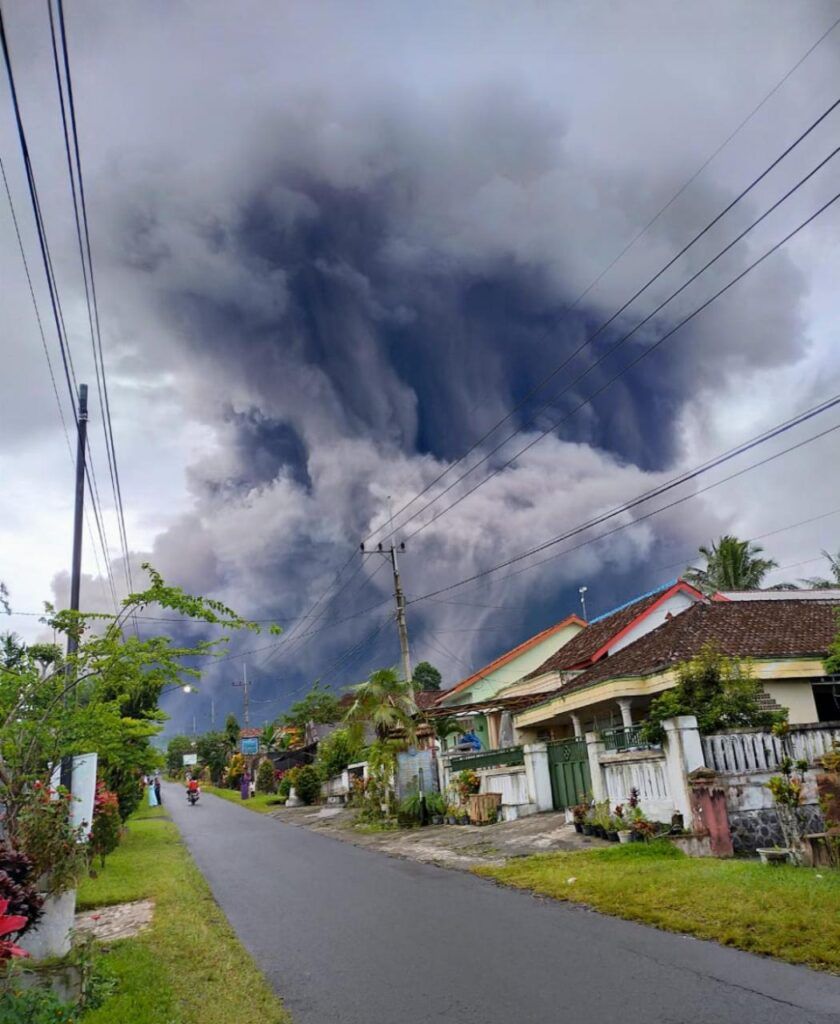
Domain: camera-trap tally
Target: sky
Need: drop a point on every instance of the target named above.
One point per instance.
(335, 244)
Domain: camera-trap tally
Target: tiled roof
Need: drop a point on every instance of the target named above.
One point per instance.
(581, 648)
(748, 629)
(249, 733)
(509, 656)
(492, 703)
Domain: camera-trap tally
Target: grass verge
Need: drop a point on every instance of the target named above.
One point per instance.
(189, 967)
(785, 912)
(262, 803)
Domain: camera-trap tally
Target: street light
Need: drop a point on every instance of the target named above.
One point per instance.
(582, 592)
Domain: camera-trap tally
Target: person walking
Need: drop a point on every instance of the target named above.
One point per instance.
(157, 789)
(150, 791)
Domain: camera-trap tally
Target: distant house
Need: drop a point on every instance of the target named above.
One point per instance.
(785, 639)
(475, 702)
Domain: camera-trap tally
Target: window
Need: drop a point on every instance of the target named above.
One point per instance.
(827, 700)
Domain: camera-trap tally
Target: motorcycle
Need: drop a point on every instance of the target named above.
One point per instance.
(192, 797)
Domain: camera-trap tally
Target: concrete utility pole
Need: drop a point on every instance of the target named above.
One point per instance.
(76, 568)
(399, 597)
(245, 701)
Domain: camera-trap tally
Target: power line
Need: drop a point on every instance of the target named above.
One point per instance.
(541, 384)
(618, 344)
(657, 492)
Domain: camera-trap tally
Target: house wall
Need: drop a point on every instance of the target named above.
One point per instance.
(675, 604)
(797, 697)
(515, 669)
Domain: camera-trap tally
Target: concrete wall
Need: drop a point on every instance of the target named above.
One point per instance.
(797, 696)
(515, 669)
(643, 771)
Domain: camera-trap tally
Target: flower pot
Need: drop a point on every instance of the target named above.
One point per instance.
(612, 836)
(578, 827)
(586, 828)
(437, 819)
(773, 856)
(600, 831)
(450, 819)
(625, 835)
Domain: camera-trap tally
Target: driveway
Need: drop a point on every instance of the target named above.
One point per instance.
(348, 935)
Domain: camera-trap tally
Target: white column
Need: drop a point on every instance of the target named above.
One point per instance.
(594, 748)
(683, 753)
(577, 726)
(537, 774)
(626, 715)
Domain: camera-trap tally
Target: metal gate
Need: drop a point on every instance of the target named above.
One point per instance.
(568, 766)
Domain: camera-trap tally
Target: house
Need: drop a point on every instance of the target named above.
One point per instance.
(474, 700)
(601, 639)
(786, 641)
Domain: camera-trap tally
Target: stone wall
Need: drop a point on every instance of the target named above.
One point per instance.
(760, 827)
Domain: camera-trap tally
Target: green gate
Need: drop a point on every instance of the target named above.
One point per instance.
(568, 765)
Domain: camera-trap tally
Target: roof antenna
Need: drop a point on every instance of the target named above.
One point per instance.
(582, 592)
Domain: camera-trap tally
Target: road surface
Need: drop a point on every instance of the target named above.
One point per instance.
(350, 936)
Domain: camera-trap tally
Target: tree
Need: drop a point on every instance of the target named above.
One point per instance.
(175, 750)
(819, 582)
(385, 702)
(445, 727)
(212, 749)
(320, 706)
(426, 677)
(719, 691)
(232, 733)
(731, 564)
(832, 662)
(335, 752)
(115, 680)
(268, 737)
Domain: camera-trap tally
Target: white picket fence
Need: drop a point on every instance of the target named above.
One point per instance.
(756, 751)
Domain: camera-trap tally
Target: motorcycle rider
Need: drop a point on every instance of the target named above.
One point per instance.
(193, 789)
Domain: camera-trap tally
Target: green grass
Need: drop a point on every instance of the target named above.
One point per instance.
(786, 912)
(189, 967)
(262, 803)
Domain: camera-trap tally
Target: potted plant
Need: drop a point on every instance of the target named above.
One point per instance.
(436, 807)
(579, 812)
(601, 818)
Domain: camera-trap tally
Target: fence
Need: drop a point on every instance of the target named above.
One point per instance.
(757, 751)
(644, 772)
(628, 738)
(504, 757)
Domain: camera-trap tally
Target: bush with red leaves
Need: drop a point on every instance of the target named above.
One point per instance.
(17, 886)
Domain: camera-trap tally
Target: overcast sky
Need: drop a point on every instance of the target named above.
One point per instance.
(335, 243)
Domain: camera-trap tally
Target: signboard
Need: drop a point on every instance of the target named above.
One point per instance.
(189, 759)
(84, 789)
(250, 745)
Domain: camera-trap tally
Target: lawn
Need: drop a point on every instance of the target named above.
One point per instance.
(262, 803)
(786, 912)
(189, 967)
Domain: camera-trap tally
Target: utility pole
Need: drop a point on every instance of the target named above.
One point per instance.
(399, 597)
(76, 568)
(245, 701)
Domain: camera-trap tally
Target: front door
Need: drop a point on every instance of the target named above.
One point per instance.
(568, 765)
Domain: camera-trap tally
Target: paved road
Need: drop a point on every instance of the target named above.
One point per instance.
(350, 936)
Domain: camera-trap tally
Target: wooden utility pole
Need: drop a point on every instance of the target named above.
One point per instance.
(245, 700)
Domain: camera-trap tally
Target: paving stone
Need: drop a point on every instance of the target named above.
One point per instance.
(123, 921)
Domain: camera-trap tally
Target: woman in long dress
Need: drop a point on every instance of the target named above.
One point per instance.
(150, 789)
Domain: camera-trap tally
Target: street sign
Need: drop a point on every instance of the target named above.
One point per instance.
(250, 745)
(190, 759)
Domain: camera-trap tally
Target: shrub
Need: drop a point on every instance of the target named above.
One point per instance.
(284, 785)
(106, 828)
(235, 771)
(47, 836)
(467, 783)
(307, 783)
(36, 1006)
(335, 752)
(17, 885)
(265, 777)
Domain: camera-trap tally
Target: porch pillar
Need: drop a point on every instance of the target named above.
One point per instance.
(626, 714)
(538, 776)
(577, 726)
(683, 753)
(594, 748)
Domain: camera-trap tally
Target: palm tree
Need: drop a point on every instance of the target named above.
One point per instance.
(445, 727)
(819, 582)
(384, 701)
(268, 737)
(731, 564)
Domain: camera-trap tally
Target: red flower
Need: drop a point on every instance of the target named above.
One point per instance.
(10, 923)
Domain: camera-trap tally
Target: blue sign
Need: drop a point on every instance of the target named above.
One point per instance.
(250, 745)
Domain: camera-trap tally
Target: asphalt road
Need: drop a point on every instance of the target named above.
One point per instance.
(351, 936)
